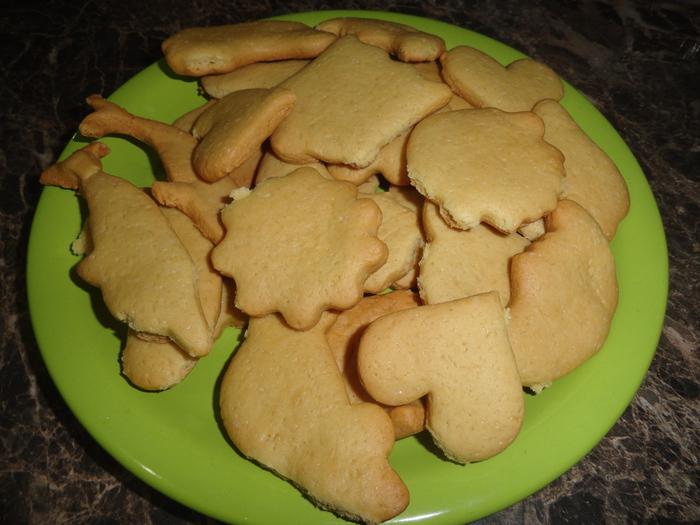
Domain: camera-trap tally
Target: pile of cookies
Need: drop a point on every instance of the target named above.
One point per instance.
(409, 235)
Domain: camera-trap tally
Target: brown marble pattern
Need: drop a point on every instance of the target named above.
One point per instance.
(637, 61)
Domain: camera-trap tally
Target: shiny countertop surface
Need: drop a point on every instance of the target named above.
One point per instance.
(637, 62)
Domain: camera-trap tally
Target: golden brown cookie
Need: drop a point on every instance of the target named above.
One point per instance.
(284, 405)
(484, 82)
(486, 165)
(233, 130)
(155, 365)
(458, 355)
(401, 231)
(200, 51)
(174, 146)
(374, 99)
(145, 273)
(407, 43)
(199, 199)
(459, 263)
(563, 297)
(299, 245)
(202, 200)
(592, 178)
(264, 75)
(343, 337)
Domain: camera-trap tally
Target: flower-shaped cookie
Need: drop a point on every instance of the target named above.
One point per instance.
(299, 245)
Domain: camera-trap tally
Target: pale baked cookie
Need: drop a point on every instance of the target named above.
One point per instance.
(486, 165)
(433, 71)
(374, 99)
(407, 43)
(299, 245)
(458, 354)
(264, 75)
(272, 166)
(186, 121)
(202, 200)
(390, 162)
(141, 266)
(200, 51)
(199, 199)
(563, 296)
(174, 146)
(209, 282)
(592, 178)
(149, 363)
(155, 365)
(284, 405)
(233, 129)
(459, 263)
(532, 230)
(343, 337)
(408, 196)
(484, 82)
(402, 233)
(411, 199)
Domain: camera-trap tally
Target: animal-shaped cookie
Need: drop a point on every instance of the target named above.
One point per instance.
(299, 245)
(458, 355)
(407, 43)
(486, 165)
(200, 51)
(484, 82)
(185, 190)
(145, 273)
(284, 404)
(563, 297)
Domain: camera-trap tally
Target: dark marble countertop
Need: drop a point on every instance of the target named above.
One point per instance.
(638, 62)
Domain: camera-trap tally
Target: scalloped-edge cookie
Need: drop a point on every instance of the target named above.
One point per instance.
(299, 245)
(486, 165)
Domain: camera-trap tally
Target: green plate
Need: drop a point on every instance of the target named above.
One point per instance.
(173, 440)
